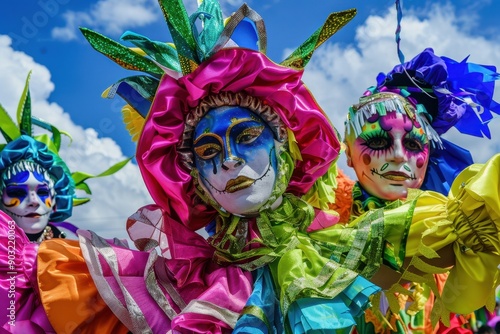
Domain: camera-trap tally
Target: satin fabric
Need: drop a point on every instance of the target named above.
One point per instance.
(147, 293)
(18, 283)
(190, 292)
(69, 296)
(300, 266)
(232, 70)
(460, 87)
(144, 288)
(468, 218)
(444, 165)
(262, 312)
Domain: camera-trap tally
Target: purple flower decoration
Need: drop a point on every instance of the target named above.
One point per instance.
(458, 94)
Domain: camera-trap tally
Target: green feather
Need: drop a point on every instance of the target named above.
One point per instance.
(120, 54)
(301, 56)
(210, 14)
(44, 138)
(56, 133)
(161, 52)
(9, 129)
(81, 177)
(180, 30)
(24, 109)
(79, 201)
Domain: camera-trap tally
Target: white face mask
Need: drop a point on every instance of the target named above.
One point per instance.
(236, 159)
(389, 156)
(27, 199)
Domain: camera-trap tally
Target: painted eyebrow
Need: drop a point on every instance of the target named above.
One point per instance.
(209, 134)
(232, 125)
(228, 132)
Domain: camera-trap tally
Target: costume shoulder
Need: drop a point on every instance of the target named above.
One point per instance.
(20, 307)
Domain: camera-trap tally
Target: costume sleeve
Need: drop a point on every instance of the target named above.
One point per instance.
(20, 307)
(469, 220)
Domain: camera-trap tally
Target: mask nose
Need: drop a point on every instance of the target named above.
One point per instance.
(232, 162)
(399, 154)
(33, 199)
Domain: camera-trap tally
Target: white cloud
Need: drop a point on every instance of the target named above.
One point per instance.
(337, 75)
(113, 197)
(111, 17)
(73, 21)
(15, 66)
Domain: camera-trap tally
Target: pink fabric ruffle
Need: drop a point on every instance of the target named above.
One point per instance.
(186, 292)
(232, 70)
(20, 307)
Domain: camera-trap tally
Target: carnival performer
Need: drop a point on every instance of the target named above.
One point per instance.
(38, 194)
(235, 139)
(393, 140)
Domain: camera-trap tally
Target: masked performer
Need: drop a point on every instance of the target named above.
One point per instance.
(393, 136)
(234, 139)
(38, 194)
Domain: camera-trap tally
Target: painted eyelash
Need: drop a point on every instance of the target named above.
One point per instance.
(200, 150)
(254, 131)
(374, 134)
(422, 139)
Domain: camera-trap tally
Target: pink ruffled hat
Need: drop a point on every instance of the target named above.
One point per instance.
(213, 65)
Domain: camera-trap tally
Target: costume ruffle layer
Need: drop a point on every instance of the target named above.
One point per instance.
(263, 315)
(144, 293)
(469, 220)
(68, 293)
(20, 307)
(190, 292)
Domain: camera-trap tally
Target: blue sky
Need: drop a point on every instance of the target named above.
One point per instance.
(69, 76)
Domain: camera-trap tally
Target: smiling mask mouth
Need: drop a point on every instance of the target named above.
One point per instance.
(29, 215)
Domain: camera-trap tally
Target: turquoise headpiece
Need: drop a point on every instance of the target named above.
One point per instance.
(24, 147)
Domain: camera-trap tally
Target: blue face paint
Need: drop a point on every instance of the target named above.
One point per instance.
(235, 150)
(39, 177)
(17, 189)
(233, 134)
(20, 177)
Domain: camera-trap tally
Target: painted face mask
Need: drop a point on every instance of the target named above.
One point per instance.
(27, 199)
(390, 155)
(236, 160)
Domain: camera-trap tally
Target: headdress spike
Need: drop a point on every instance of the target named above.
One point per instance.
(335, 21)
(120, 54)
(182, 35)
(8, 128)
(24, 109)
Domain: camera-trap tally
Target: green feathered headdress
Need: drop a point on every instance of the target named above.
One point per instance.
(23, 146)
(190, 47)
(192, 44)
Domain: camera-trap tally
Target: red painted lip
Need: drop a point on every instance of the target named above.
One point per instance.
(395, 176)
